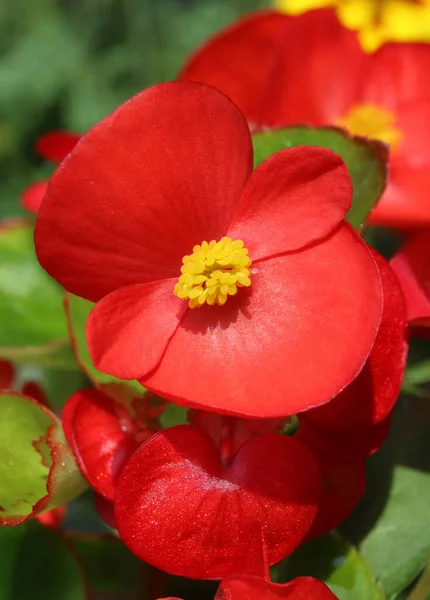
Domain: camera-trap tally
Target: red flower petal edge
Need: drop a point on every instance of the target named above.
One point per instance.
(369, 399)
(411, 264)
(253, 588)
(180, 509)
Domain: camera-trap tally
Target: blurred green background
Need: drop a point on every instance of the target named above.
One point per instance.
(65, 64)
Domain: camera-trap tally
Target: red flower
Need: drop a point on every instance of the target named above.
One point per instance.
(137, 198)
(103, 435)
(411, 264)
(282, 70)
(191, 510)
(356, 422)
(53, 146)
(253, 588)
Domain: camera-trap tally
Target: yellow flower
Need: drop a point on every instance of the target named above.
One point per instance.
(377, 21)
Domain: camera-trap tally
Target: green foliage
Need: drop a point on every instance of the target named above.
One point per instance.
(37, 564)
(392, 524)
(35, 461)
(335, 561)
(32, 323)
(366, 161)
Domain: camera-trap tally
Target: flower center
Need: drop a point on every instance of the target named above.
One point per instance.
(213, 272)
(370, 120)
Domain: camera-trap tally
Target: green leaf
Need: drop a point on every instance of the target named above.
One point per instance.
(77, 311)
(37, 468)
(392, 523)
(366, 160)
(33, 328)
(109, 566)
(36, 564)
(335, 561)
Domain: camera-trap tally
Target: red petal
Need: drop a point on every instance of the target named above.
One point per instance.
(405, 202)
(411, 264)
(32, 197)
(34, 390)
(281, 70)
(344, 484)
(162, 173)
(347, 444)
(296, 197)
(370, 398)
(105, 509)
(128, 331)
(293, 340)
(7, 374)
(53, 518)
(56, 145)
(253, 588)
(102, 439)
(178, 508)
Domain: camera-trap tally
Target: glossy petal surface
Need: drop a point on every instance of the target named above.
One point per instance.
(294, 198)
(180, 509)
(162, 173)
(292, 340)
(253, 588)
(102, 439)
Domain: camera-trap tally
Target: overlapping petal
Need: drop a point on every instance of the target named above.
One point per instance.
(180, 509)
(266, 64)
(32, 196)
(128, 331)
(253, 588)
(294, 339)
(411, 265)
(296, 197)
(162, 173)
(101, 435)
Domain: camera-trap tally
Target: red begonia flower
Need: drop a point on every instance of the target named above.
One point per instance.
(357, 420)
(167, 170)
(183, 510)
(411, 264)
(254, 588)
(103, 435)
(53, 146)
(283, 70)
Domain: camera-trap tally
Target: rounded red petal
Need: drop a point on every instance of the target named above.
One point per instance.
(293, 340)
(178, 508)
(31, 198)
(101, 437)
(254, 588)
(371, 396)
(281, 70)
(296, 197)
(164, 172)
(128, 331)
(56, 145)
(411, 265)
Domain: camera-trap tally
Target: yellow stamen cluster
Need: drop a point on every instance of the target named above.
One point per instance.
(213, 272)
(370, 120)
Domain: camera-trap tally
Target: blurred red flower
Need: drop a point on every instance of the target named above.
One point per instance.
(276, 331)
(53, 146)
(283, 70)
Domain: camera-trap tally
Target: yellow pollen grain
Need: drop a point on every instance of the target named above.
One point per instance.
(372, 121)
(213, 272)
